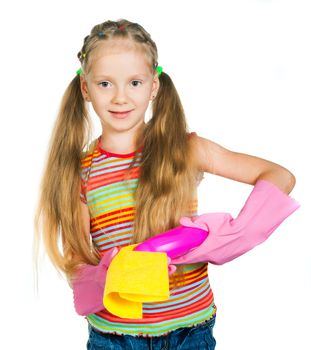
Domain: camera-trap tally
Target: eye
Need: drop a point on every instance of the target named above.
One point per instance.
(103, 82)
(137, 81)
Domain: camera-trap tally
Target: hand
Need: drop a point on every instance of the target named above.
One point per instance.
(89, 283)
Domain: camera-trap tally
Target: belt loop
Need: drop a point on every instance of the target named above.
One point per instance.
(166, 342)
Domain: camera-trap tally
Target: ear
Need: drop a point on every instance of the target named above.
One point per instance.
(84, 89)
(155, 86)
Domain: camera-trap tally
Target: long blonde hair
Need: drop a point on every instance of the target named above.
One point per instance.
(168, 172)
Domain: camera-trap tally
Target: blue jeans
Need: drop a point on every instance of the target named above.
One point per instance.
(186, 338)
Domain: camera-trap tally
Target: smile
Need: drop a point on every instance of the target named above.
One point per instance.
(120, 115)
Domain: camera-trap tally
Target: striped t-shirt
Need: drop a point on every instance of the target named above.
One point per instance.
(111, 205)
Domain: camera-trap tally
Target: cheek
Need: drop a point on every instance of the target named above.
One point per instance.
(99, 99)
(99, 104)
(144, 102)
(145, 97)
(98, 110)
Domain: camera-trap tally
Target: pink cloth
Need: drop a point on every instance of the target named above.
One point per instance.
(89, 283)
(265, 209)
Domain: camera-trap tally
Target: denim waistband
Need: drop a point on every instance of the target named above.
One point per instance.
(211, 319)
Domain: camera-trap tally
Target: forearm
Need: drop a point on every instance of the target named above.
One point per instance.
(265, 209)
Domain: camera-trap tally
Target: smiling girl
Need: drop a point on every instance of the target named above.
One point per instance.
(132, 182)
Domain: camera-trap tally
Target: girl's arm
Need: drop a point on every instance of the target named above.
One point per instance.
(266, 208)
(217, 160)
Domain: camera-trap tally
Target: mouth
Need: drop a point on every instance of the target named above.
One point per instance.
(120, 115)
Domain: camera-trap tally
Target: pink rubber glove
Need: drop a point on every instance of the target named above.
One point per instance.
(265, 209)
(89, 283)
(171, 268)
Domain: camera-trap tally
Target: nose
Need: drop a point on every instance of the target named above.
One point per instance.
(120, 95)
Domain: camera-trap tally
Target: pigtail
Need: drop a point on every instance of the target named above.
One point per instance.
(167, 181)
(166, 189)
(58, 216)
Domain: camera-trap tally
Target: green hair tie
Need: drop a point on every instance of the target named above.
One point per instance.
(159, 69)
(79, 71)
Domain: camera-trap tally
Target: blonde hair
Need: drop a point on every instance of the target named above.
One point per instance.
(168, 172)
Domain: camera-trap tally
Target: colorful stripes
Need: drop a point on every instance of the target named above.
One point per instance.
(111, 204)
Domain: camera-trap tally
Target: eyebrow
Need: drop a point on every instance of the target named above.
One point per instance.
(101, 76)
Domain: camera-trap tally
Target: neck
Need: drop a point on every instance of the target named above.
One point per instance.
(118, 142)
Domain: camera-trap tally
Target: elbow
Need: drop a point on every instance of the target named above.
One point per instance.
(289, 183)
(282, 178)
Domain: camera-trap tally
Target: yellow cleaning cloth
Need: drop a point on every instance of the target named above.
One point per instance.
(134, 277)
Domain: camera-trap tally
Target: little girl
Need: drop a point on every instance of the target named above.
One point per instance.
(134, 181)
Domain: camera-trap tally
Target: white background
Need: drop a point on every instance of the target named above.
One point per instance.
(242, 69)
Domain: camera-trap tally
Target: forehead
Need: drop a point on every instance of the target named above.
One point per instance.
(118, 57)
(118, 45)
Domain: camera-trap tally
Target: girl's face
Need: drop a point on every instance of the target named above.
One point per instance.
(119, 80)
